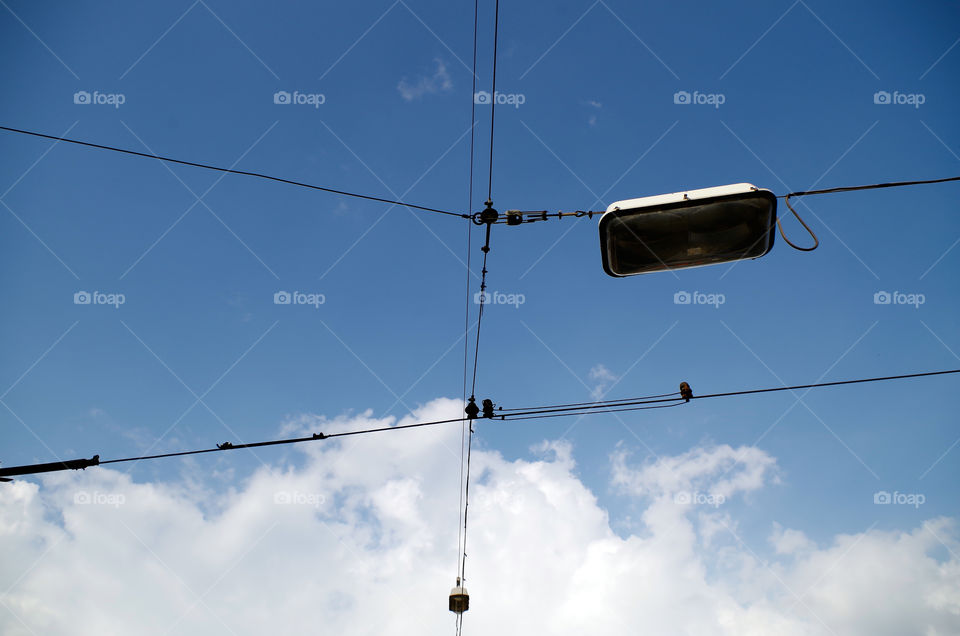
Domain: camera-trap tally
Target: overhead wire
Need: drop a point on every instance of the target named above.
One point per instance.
(595, 402)
(815, 385)
(574, 410)
(245, 173)
(531, 414)
(560, 410)
(872, 186)
(493, 93)
(518, 217)
(488, 216)
(875, 186)
(649, 400)
(597, 412)
(465, 423)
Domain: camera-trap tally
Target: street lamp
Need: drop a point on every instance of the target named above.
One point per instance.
(687, 229)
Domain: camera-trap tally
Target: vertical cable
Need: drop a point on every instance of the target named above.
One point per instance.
(493, 94)
(483, 285)
(466, 313)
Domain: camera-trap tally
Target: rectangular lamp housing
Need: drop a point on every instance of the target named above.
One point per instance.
(687, 229)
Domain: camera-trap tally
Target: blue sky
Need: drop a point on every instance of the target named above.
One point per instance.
(199, 353)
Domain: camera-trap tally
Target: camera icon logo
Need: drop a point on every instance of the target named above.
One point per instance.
(282, 298)
(282, 497)
(882, 298)
(81, 97)
(681, 298)
(682, 498)
(482, 98)
(281, 97)
(882, 497)
(82, 298)
(681, 97)
(82, 498)
(881, 97)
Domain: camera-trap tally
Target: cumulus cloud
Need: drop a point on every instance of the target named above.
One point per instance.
(439, 82)
(720, 470)
(361, 537)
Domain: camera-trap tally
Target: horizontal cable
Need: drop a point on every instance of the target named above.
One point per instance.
(598, 403)
(606, 410)
(575, 410)
(231, 171)
(79, 464)
(875, 186)
(823, 384)
(512, 217)
(518, 217)
(583, 410)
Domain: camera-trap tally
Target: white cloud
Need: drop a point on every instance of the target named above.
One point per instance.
(592, 119)
(719, 470)
(439, 82)
(787, 541)
(603, 377)
(362, 539)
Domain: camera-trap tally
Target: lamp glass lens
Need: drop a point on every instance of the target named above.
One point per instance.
(649, 240)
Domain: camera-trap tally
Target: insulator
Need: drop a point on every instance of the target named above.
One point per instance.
(472, 409)
(488, 408)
